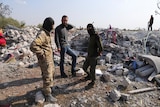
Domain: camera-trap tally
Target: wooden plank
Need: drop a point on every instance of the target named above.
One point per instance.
(143, 90)
(152, 76)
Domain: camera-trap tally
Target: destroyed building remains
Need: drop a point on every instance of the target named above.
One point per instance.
(134, 55)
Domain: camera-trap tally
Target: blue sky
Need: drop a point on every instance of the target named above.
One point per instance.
(129, 14)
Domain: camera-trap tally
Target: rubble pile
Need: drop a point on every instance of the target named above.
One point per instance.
(130, 60)
(18, 44)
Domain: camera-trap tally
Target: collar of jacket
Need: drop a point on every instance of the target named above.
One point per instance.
(64, 25)
(48, 33)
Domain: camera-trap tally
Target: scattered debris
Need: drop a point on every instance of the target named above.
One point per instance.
(130, 59)
(143, 90)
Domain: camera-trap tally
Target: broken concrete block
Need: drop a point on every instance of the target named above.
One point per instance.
(119, 72)
(106, 77)
(21, 64)
(80, 72)
(125, 71)
(102, 62)
(142, 68)
(157, 78)
(126, 43)
(131, 77)
(108, 57)
(24, 51)
(115, 95)
(130, 53)
(158, 81)
(140, 63)
(138, 79)
(119, 55)
(3, 50)
(98, 72)
(119, 66)
(146, 72)
(30, 53)
(125, 96)
(16, 53)
(39, 97)
(152, 60)
(112, 69)
(80, 59)
(152, 76)
(126, 82)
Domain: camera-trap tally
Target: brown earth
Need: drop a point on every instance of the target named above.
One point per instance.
(19, 85)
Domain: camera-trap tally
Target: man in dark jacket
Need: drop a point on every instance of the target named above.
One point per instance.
(61, 40)
(94, 50)
(150, 23)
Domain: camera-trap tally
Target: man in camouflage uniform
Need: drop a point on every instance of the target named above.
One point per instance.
(42, 47)
(94, 50)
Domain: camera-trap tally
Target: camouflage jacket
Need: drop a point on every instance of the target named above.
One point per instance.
(41, 45)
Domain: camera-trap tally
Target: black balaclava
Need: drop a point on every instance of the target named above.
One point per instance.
(48, 23)
(90, 29)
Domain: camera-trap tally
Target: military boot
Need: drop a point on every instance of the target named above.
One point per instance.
(50, 98)
(88, 77)
(91, 83)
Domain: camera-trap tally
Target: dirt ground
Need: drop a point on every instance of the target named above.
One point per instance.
(19, 85)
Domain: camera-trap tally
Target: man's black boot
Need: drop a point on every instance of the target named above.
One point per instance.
(87, 77)
(63, 75)
(73, 74)
(91, 83)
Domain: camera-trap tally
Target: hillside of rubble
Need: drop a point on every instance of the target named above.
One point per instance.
(127, 73)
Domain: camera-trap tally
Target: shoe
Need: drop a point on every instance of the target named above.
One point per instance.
(74, 74)
(87, 78)
(64, 76)
(91, 83)
(50, 98)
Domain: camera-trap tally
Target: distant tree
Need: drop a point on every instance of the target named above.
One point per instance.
(22, 24)
(4, 10)
(10, 21)
(4, 20)
(39, 25)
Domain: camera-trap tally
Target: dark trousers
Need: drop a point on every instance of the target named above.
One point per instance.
(150, 27)
(70, 52)
(92, 62)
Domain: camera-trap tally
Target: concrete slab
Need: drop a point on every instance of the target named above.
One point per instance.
(152, 60)
(152, 76)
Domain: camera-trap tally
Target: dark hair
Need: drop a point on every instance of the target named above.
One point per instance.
(64, 16)
(48, 23)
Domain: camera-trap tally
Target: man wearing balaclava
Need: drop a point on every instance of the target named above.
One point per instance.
(42, 47)
(94, 50)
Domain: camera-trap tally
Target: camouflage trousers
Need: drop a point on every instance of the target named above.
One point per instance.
(92, 62)
(47, 69)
